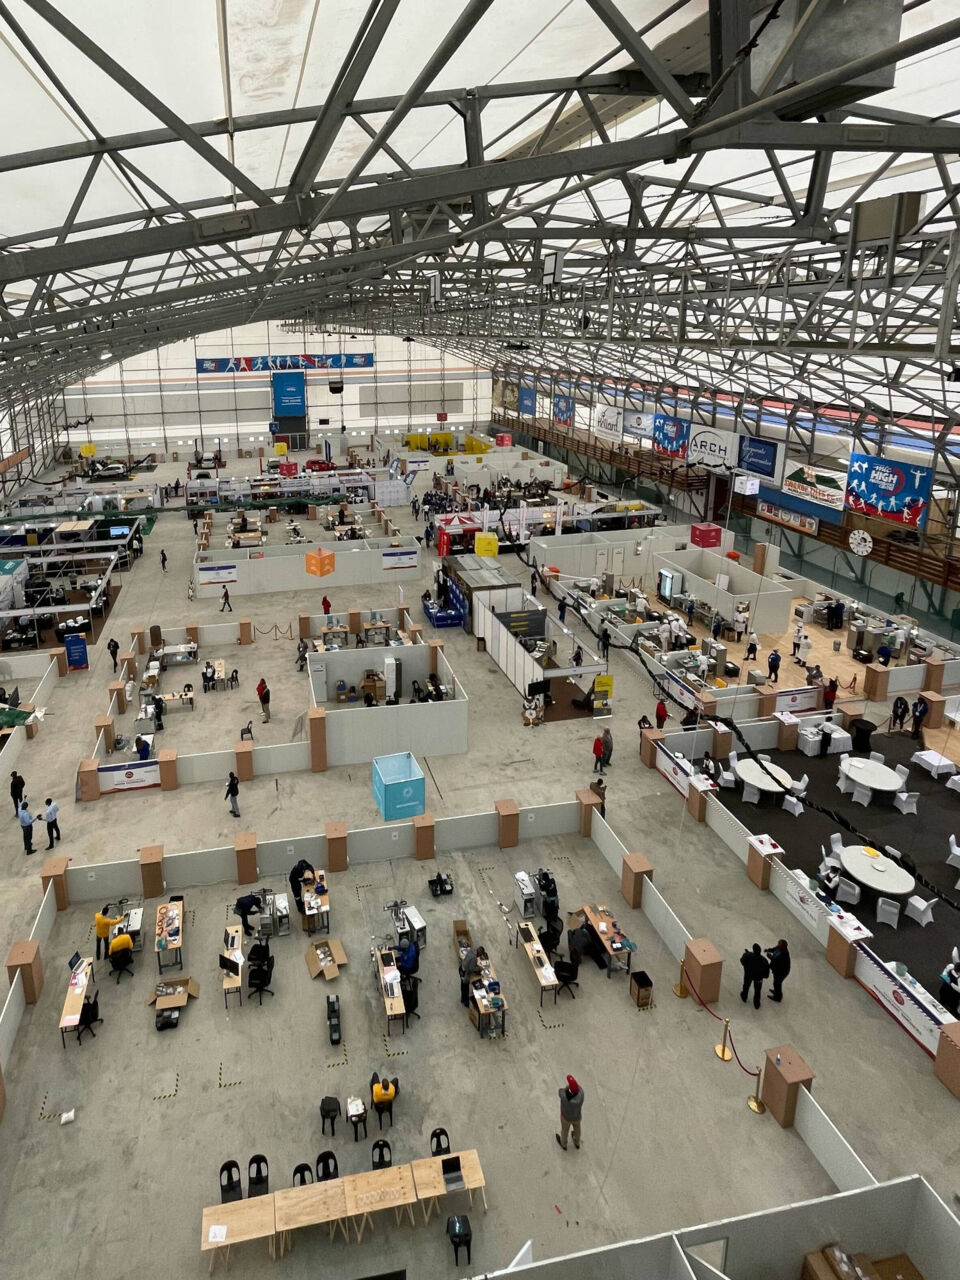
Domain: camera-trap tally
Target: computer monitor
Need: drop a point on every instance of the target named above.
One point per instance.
(230, 965)
(13, 698)
(73, 961)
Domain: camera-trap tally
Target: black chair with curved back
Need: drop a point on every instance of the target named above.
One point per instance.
(329, 1110)
(89, 1016)
(302, 1175)
(381, 1156)
(121, 962)
(259, 976)
(550, 937)
(460, 1235)
(258, 1177)
(327, 1167)
(231, 1187)
(439, 1143)
(567, 971)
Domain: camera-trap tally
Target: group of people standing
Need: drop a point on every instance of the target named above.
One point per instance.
(22, 814)
(758, 965)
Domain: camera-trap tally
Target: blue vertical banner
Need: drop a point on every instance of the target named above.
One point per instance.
(76, 648)
(289, 395)
(760, 457)
(670, 435)
(563, 411)
(527, 401)
(896, 491)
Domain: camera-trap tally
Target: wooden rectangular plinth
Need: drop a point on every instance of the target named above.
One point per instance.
(245, 627)
(946, 1065)
(24, 958)
(934, 669)
(151, 870)
(167, 761)
(117, 689)
(61, 657)
(244, 753)
(423, 834)
(245, 844)
(436, 646)
(89, 780)
(704, 966)
(758, 868)
(635, 868)
(648, 746)
(587, 801)
(336, 834)
(697, 802)
(787, 736)
(782, 1083)
(303, 624)
(876, 680)
(131, 661)
(54, 871)
(841, 953)
(317, 729)
(508, 823)
(104, 725)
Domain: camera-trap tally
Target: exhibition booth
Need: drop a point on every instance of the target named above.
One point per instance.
(264, 569)
(717, 583)
(625, 553)
(471, 577)
(27, 682)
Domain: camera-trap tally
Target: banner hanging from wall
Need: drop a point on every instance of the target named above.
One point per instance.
(563, 410)
(527, 401)
(289, 395)
(710, 448)
(761, 457)
(895, 491)
(279, 364)
(637, 425)
(608, 422)
(131, 776)
(403, 558)
(670, 435)
(208, 574)
(815, 484)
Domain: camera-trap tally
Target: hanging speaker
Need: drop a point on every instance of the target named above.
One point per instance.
(335, 388)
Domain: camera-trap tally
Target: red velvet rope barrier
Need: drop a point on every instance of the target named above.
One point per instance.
(754, 1074)
(686, 979)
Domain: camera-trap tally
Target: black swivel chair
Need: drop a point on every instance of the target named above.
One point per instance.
(89, 1016)
(458, 1229)
(439, 1143)
(121, 962)
(302, 1175)
(258, 1177)
(329, 1110)
(260, 951)
(550, 937)
(410, 993)
(231, 1187)
(258, 978)
(567, 971)
(327, 1167)
(381, 1156)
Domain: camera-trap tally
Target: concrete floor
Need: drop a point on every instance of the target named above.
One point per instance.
(874, 1082)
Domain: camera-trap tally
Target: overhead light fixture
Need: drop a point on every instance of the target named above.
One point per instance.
(106, 355)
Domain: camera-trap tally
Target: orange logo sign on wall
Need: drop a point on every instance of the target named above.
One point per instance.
(319, 563)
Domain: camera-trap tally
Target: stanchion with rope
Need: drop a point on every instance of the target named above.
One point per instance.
(755, 1102)
(679, 989)
(723, 1050)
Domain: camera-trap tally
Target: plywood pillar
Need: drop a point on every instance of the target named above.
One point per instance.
(782, 1082)
(61, 657)
(138, 640)
(245, 844)
(423, 836)
(104, 725)
(167, 760)
(933, 671)
(704, 967)
(876, 679)
(337, 856)
(317, 729)
(117, 689)
(54, 871)
(244, 753)
(946, 1065)
(89, 779)
(245, 626)
(587, 801)
(767, 704)
(508, 823)
(415, 632)
(152, 876)
(24, 958)
(355, 621)
(305, 629)
(648, 746)
(634, 869)
(131, 662)
(436, 646)
(193, 632)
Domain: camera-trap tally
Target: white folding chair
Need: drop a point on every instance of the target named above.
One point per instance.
(906, 801)
(751, 794)
(792, 805)
(888, 912)
(903, 773)
(861, 794)
(844, 782)
(728, 779)
(847, 891)
(836, 842)
(877, 756)
(733, 759)
(799, 788)
(953, 858)
(765, 759)
(920, 909)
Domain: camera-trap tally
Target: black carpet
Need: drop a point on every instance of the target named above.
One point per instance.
(925, 838)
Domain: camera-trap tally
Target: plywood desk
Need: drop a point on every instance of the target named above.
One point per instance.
(393, 1005)
(487, 1017)
(612, 940)
(539, 960)
(316, 909)
(368, 1193)
(428, 1180)
(169, 931)
(316, 1205)
(243, 1220)
(220, 672)
(233, 984)
(76, 994)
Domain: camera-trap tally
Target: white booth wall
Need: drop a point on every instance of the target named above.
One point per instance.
(349, 665)
(770, 603)
(586, 555)
(266, 569)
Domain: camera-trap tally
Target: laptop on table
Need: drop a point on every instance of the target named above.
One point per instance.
(452, 1173)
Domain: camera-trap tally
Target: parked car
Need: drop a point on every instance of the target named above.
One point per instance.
(319, 464)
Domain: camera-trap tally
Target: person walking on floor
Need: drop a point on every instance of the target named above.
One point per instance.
(196, 528)
(604, 643)
(803, 650)
(225, 601)
(17, 788)
(753, 644)
(102, 924)
(50, 818)
(739, 624)
(755, 971)
(562, 608)
(899, 713)
(231, 793)
(607, 739)
(716, 627)
(163, 561)
(779, 957)
(773, 665)
(26, 825)
(919, 712)
(796, 638)
(598, 754)
(571, 1110)
(263, 693)
(326, 606)
(113, 648)
(662, 714)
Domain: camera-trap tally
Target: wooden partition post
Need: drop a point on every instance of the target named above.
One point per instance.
(245, 626)
(104, 725)
(587, 801)
(760, 849)
(355, 621)
(436, 646)
(946, 1065)
(697, 800)
(245, 844)
(89, 778)
(167, 759)
(648, 746)
(24, 958)
(704, 966)
(131, 662)
(152, 875)
(304, 627)
(937, 704)
(337, 857)
(61, 657)
(767, 704)
(849, 711)
(782, 1082)
(722, 741)
(193, 632)
(933, 672)
(508, 823)
(876, 679)
(54, 871)
(317, 731)
(842, 951)
(415, 632)
(138, 640)
(244, 753)
(635, 868)
(117, 689)
(403, 616)
(423, 835)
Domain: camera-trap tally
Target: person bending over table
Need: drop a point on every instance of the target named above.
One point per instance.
(468, 967)
(102, 924)
(122, 942)
(408, 957)
(299, 873)
(249, 905)
(142, 748)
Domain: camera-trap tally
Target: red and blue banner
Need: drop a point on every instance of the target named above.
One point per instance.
(670, 435)
(897, 491)
(563, 410)
(280, 364)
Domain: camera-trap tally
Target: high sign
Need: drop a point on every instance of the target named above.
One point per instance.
(816, 485)
(895, 491)
(563, 410)
(527, 401)
(276, 364)
(670, 435)
(608, 422)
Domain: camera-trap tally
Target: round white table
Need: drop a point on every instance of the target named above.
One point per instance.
(872, 774)
(756, 773)
(880, 873)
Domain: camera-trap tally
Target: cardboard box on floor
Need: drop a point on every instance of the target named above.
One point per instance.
(325, 956)
(183, 989)
(833, 1263)
(460, 931)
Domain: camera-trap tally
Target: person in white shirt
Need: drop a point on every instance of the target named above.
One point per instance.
(664, 634)
(739, 624)
(804, 647)
(50, 818)
(797, 637)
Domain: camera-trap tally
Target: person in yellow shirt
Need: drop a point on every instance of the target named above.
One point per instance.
(122, 942)
(384, 1091)
(103, 924)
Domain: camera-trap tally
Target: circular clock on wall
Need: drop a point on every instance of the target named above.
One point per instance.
(860, 542)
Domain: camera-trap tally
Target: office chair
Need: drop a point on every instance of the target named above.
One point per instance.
(458, 1229)
(89, 1016)
(258, 1177)
(258, 979)
(121, 962)
(188, 688)
(410, 991)
(439, 1143)
(329, 1110)
(247, 731)
(381, 1155)
(260, 952)
(550, 937)
(567, 971)
(302, 1175)
(231, 1188)
(327, 1167)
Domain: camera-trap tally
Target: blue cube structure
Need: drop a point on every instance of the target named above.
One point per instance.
(398, 786)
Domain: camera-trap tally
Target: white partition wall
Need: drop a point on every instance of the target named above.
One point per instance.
(256, 571)
(770, 602)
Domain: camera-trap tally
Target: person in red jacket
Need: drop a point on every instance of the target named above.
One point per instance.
(662, 713)
(598, 754)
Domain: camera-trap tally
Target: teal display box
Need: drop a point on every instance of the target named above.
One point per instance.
(398, 786)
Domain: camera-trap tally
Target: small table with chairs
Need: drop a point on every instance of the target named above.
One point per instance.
(876, 871)
(539, 960)
(868, 775)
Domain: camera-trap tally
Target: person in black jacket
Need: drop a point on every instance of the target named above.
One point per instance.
(17, 788)
(779, 957)
(755, 971)
(901, 708)
(249, 905)
(301, 871)
(231, 793)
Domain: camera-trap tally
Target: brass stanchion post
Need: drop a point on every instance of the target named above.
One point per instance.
(722, 1050)
(679, 988)
(754, 1102)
